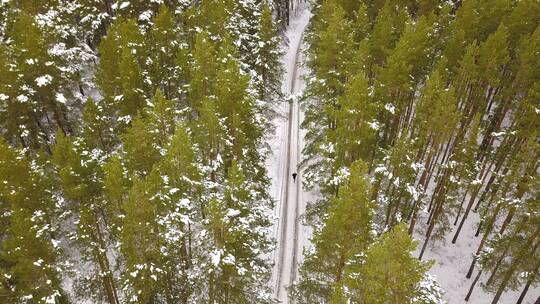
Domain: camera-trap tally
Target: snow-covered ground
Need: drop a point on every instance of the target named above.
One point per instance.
(283, 162)
(452, 262)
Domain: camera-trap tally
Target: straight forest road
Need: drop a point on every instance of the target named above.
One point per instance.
(288, 251)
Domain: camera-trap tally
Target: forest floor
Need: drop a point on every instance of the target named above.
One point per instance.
(451, 260)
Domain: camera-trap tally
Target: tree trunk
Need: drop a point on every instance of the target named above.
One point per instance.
(433, 197)
(526, 289)
(375, 191)
(481, 224)
(390, 204)
(468, 296)
(396, 209)
(507, 220)
(460, 207)
(108, 281)
(430, 229)
(465, 215)
(413, 217)
(423, 177)
(440, 195)
(502, 287)
(433, 166)
(483, 241)
(497, 265)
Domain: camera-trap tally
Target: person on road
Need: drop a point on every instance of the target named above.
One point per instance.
(294, 177)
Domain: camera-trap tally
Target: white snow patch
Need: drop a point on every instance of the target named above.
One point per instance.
(390, 108)
(61, 98)
(215, 257)
(22, 98)
(44, 80)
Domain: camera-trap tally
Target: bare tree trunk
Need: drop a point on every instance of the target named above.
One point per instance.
(465, 215)
(503, 285)
(460, 207)
(414, 214)
(507, 220)
(431, 227)
(433, 166)
(526, 289)
(468, 296)
(108, 281)
(497, 265)
(483, 241)
(423, 177)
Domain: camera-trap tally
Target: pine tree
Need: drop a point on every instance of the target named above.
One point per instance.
(80, 177)
(163, 48)
(96, 126)
(183, 209)
(527, 73)
(10, 109)
(268, 65)
(237, 225)
(131, 83)
(159, 214)
(400, 196)
(30, 257)
(209, 134)
(36, 87)
(160, 118)
(115, 188)
(509, 253)
(387, 28)
(107, 73)
(361, 24)
(356, 127)
(490, 16)
(144, 278)
(332, 50)
(350, 7)
(405, 67)
(203, 72)
(493, 55)
(140, 147)
(389, 274)
(521, 21)
(235, 106)
(436, 116)
(119, 74)
(332, 46)
(427, 6)
(465, 156)
(211, 16)
(342, 240)
(244, 29)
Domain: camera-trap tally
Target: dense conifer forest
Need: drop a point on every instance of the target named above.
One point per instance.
(135, 149)
(437, 103)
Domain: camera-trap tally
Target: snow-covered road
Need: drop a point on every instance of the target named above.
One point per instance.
(286, 147)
